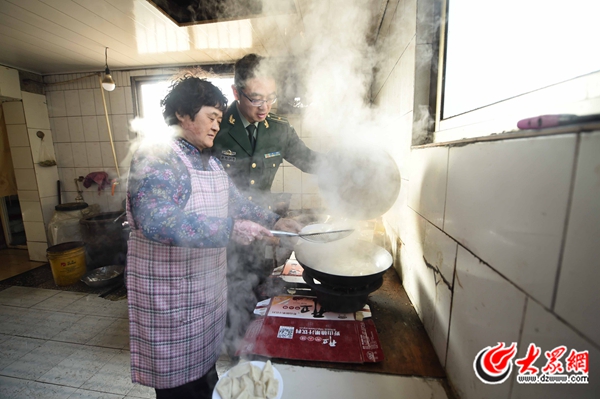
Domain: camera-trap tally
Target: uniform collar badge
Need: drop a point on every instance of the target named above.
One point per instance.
(231, 120)
(228, 152)
(266, 124)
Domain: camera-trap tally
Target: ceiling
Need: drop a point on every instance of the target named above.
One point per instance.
(67, 36)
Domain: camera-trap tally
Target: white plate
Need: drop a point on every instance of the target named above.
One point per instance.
(260, 365)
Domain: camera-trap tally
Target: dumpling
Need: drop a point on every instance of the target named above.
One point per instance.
(224, 387)
(255, 373)
(240, 370)
(259, 389)
(267, 372)
(272, 387)
(235, 388)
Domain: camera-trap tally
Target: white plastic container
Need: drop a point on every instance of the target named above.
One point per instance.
(64, 225)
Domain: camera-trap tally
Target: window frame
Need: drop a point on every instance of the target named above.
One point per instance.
(500, 118)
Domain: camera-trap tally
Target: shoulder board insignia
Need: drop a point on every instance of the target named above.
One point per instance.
(231, 120)
(228, 152)
(277, 118)
(272, 154)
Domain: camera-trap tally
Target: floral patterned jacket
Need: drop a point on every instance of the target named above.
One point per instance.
(158, 189)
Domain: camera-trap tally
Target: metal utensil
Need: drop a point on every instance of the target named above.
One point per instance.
(320, 236)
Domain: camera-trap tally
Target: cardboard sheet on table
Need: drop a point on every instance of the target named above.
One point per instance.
(312, 336)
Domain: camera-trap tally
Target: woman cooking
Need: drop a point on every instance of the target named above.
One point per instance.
(183, 210)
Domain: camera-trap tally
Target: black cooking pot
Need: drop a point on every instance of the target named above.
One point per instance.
(347, 263)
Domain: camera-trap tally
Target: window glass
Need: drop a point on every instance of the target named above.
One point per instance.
(499, 50)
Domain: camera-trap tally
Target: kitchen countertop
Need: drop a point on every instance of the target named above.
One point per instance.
(406, 347)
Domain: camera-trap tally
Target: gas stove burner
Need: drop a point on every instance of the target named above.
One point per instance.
(340, 298)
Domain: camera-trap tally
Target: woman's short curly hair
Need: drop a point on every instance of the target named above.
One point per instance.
(187, 95)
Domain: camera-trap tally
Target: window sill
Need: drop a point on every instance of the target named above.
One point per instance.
(517, 134)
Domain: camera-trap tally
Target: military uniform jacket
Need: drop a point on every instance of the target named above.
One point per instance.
(253, 172)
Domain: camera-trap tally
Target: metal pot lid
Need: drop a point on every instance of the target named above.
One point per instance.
(361, 183)
(347, 258)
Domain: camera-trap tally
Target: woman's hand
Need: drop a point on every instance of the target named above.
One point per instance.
(245, 232)
(285, 224)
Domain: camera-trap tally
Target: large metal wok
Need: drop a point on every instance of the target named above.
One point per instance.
(348, 263)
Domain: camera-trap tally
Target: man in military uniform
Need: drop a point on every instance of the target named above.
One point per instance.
(252, 159)
(251, 144)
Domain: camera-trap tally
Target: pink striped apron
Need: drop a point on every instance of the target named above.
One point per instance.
(178, 296)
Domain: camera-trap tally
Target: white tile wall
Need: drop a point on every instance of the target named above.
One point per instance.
(117, 101)
(440, 251)
(94, 155)
(26, 179)
(427, 191)
(64, 155)
(47, 177)
(56, 103)
(76, 129)
(486, 309)
(35, 231)
(36, 111)
(31, 211)
(60, 130)
(80, 158)
(21, 157)
(17, 135)
(13, 112)
(87, 102)
(543, 329)
(29, 196)
(37, 251)
(72, 103)
(119, 127)
(90, 128)
(507, 202)
(99, 102)
(431, 292)
(578, 294)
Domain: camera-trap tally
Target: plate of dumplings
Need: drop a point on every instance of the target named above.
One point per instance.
(250, 380)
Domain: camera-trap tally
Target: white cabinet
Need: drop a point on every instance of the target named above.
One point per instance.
(10, 86)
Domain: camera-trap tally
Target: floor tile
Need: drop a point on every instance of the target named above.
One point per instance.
(79, 367)
(15, 348)
(85, 394)
(93, 305)
(53, 324)
(10, 387)
(24, 296)
(115, 335)
(84, 329)
(36, 389)
(60, 301)
(113, 377)
(141, 391)
(40, 360)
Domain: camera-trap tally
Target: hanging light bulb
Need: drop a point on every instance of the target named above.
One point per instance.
(107, 83)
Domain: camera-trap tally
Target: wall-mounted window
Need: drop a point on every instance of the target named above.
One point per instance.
(148, 91)
(505, 61)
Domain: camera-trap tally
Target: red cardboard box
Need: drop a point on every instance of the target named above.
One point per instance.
(295, 327)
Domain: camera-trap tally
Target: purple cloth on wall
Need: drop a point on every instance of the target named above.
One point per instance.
(100, 178)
